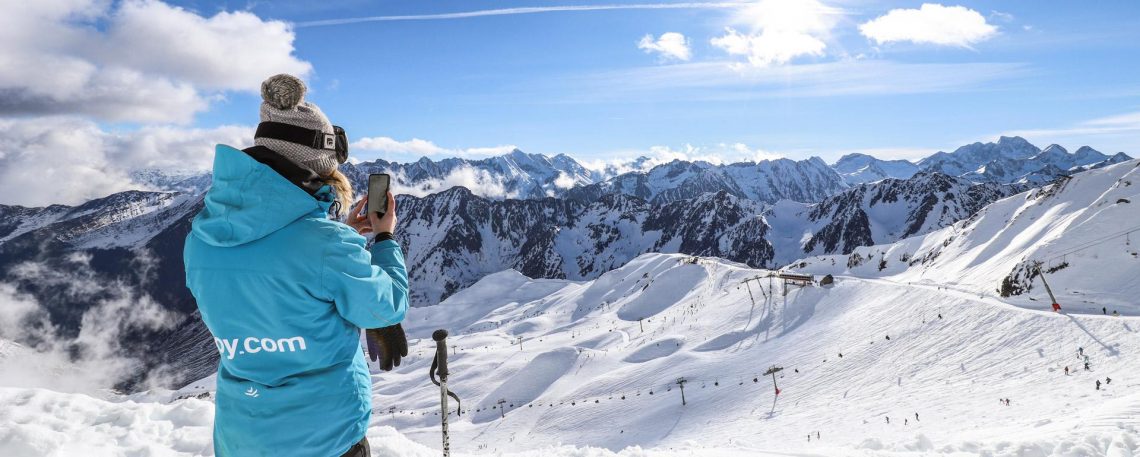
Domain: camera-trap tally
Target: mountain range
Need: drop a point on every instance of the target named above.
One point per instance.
(521, 175)
(544, 216)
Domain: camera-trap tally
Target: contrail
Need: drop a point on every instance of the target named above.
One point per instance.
(521, 10)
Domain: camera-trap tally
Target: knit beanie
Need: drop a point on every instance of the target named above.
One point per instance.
(283, 101)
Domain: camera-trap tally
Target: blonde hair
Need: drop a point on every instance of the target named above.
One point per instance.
(342, 187)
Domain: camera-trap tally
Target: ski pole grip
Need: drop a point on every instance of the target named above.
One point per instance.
(440, 337)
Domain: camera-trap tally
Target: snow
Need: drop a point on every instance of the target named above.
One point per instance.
(39, 422)
(563, 388)
(948, 370)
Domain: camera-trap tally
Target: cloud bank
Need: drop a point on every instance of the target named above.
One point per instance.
(37, 353)
(70, 160)
(423, 148)
(130, 61)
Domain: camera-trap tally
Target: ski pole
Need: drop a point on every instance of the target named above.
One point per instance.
(439, 366)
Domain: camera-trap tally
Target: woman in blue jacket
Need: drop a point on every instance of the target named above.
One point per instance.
(285, 290)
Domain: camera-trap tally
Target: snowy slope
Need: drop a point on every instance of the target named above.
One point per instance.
(583, 350)
(1083, 231)
(47, 423)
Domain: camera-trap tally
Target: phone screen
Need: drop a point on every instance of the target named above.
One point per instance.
(378, 192)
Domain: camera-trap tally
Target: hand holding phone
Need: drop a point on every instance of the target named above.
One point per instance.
(378, 184)
(381, 204)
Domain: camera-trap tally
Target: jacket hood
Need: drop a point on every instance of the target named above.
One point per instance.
(250, 198)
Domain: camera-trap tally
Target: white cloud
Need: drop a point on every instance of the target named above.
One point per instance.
(69, 160)
(564, 181)
(479, 182)
(932, 23)
(779, 31)
(716, 154)
(644, 160)
(135, 60)
(91, 360)
(229, 50)
(416, 147)
(670, 45)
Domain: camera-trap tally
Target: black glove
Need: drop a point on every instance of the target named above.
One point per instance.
(387, 344)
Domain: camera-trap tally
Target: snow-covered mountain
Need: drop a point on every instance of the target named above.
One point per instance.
(168, 180)
(516, 175)
(861, 168)
(1081, 233)
(1015, 160)
(766, 181)
(454, 238)
(886, 210)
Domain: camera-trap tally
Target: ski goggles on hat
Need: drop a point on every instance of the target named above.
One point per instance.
(316, 139)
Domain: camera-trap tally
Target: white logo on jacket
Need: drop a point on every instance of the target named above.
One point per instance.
(251, 392)
(232, 347)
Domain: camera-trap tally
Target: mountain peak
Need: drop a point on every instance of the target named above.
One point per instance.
(1013, 141)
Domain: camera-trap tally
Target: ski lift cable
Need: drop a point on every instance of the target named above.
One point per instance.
(1090, 244)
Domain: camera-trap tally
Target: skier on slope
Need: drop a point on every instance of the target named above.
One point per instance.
(1097, 384)
(285, 290)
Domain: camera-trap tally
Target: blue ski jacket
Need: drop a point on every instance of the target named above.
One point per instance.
(285, 291)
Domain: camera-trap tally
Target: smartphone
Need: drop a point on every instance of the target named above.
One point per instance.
(378, 192)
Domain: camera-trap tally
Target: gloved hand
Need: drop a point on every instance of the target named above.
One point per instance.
(387, 344)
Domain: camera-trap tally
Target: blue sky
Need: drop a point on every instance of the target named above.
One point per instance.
(96, 88)
(577, 83)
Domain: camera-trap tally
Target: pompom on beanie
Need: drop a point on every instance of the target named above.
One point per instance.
(283, 100)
